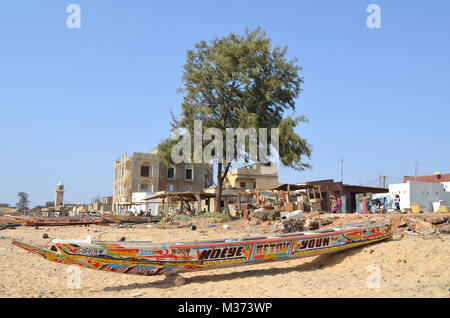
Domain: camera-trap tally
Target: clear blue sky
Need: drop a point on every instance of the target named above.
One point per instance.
(73, 100)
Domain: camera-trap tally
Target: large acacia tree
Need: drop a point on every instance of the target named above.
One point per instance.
(241, 82)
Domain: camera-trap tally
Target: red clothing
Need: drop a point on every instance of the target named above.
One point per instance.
(365, 206)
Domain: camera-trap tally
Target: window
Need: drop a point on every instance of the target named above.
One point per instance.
(171, 173)
(170, 187)
(143, 187)
(188, 187)
(242, 184)
(188, 174)
(145, 171)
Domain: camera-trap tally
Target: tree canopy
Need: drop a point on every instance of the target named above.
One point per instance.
(241, 82)
(22, 205)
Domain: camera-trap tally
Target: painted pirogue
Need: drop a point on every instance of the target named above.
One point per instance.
(129, 219)
(6, 223)
(61, 221)
(147, 258)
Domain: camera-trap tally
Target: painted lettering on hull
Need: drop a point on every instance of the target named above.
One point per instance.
(222, 253)
(271, 250)
(311, 244)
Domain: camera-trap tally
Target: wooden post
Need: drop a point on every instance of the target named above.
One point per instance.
(288, 192)
(199, 202)
(166, 207)
(181, 205)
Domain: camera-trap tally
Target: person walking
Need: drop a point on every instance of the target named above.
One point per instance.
(365, 205)
(333, 205)
(339, 205)
(397, 202)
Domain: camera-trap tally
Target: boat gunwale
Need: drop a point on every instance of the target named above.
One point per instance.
(250, 240)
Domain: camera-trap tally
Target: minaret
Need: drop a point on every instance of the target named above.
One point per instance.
(59, 197)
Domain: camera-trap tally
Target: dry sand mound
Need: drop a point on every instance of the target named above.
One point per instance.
(412, 266)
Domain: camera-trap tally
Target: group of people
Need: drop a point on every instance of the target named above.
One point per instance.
(336, 204)
(143, 213)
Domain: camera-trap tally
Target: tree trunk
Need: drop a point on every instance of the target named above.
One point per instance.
(220, 178)
(218, 188)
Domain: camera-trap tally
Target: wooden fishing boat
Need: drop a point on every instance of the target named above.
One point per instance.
(6, 223)
(61, 221)
(147, 258)
(16, 219)
(121, 219)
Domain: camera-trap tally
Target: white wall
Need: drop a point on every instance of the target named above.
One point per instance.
(446, 186)
(421, 193)
(139, 204)
(402, 189)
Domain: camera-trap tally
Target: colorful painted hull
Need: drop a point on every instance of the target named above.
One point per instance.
(6, 223)
(130, 219)
(146, 258)
(62, 221)
(16, 219)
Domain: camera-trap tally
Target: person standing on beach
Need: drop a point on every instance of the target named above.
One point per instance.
(365, 205)
(333, 205)
(397, 202)
(339, 205)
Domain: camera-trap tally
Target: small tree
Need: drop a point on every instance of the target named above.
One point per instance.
(22, 205)
(49, 204)
(97, 199)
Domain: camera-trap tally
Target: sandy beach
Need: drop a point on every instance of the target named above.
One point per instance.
(410, 266)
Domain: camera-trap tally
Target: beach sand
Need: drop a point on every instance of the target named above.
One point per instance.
(408, 266)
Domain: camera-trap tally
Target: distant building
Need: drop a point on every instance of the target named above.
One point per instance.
(147, 173)
(59, 195)
(424, 194)
(436, 178)
(257, 176)
(348, 194)
(105, 205)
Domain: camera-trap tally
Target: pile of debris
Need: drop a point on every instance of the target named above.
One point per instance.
(420, 225)
(424, 225)
(300, 224)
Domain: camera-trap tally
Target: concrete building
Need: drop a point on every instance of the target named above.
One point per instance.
(146, 174)
(436, 178)
(257, 176)
(348, 194)
(423, 194)
(59, 195)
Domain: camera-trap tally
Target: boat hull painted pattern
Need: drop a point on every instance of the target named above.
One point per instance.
(130, 219)
(146, 258)
(62, 221)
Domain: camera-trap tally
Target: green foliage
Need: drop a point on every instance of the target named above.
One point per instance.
(97, 199)
(22, 205)
(49, 204)
(241, 82)
(37, 208)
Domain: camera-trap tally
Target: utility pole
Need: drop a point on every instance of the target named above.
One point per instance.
(380, 180)
(415, 171)
(384, 182)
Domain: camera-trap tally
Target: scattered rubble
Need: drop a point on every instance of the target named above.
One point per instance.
(419, 224)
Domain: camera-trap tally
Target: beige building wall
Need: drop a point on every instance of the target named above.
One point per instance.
(145, 172)
(251, 177)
